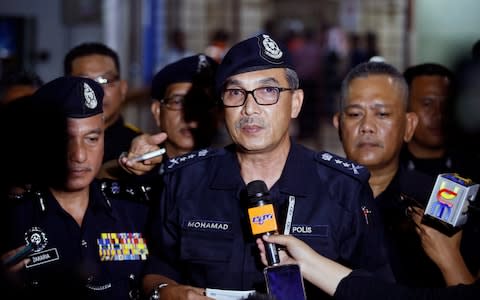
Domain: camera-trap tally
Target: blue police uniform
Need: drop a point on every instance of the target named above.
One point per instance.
(103, 256)
(200, 231)
(101, 259)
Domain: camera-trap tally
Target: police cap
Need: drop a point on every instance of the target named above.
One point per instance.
(257, 53)
(75, 97)
(183, 70)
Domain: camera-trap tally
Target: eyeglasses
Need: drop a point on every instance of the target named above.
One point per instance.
(106, 80)
(267, 95)
(174, 102)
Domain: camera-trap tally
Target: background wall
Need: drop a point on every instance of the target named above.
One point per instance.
(444, 29)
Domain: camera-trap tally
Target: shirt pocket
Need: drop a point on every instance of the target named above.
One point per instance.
(208, 247)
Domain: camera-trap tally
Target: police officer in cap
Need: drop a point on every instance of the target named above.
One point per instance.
(83, 240)
(200, 233)
(183, 107)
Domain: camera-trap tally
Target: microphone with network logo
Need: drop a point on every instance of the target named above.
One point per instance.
(284, 282)
(261, 214)
(447, 208)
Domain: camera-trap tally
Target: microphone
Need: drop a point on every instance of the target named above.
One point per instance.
(449, 203)
(261, 214)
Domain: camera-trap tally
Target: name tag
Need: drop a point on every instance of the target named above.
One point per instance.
(310, 230)
(43, 257)
(207, 225)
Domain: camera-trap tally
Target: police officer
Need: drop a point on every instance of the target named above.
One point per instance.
(86, 237)
(200, 234)
(101, 63)
(432, 149)
(183, 108)
(373, 124)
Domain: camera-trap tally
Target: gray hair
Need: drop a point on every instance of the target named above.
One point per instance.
(374, 68)
(292, 78)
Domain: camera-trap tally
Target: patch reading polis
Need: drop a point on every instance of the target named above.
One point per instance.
(207, 225)
(122, 246)
(270, 50)
(90, 99)
(36, 237)
(310, 230)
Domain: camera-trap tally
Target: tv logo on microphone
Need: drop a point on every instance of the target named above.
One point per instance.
(262, 219)
(450, 199)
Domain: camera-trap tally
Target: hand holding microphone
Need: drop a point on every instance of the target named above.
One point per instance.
(449, 202)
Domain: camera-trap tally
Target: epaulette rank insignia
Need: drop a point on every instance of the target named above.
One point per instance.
(117, 189)
(344, 165)
(122, 246)
(188, 158)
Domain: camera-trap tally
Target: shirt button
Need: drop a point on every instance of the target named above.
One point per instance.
(34, 283)
(84, 243)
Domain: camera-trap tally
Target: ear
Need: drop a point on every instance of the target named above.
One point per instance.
(336, 120)
(337, 124)
(297, 101)
(411, 120)
(123, 89)
(155, 109)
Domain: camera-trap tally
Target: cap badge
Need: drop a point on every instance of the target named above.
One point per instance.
(202, 63)
(37, 238)
(271, 48)
(90, 99)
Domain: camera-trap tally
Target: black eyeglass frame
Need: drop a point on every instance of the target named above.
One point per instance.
(165, 102)
(252, 92)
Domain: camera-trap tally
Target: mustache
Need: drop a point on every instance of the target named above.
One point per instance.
(249, 121)
(370, 142)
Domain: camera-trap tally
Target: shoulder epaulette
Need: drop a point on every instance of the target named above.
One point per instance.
(113, 189)
(28, 194)
(343, 165)
(190, 158)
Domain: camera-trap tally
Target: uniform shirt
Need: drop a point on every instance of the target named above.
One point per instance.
(118, 137)
(410, 265)
(70, 264)
(361, 286)
(201, 235)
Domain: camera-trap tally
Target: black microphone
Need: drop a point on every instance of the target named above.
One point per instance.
(262, 218)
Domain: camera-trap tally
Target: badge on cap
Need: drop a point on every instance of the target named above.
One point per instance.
(202, 63)
(90, 99)
(271, 48)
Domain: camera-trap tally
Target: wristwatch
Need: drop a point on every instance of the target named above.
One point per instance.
(156, 291)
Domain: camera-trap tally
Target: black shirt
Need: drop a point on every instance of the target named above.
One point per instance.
(118, 137)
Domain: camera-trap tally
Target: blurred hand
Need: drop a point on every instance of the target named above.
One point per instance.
(141, 145)
(180, 292)
(18, 266)
(436, 245)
